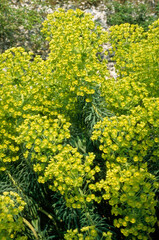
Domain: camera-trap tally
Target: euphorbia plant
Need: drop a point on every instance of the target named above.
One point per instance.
(86, 143)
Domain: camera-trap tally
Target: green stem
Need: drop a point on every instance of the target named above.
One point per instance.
(86, 209)
(31, 228)
(96, 111)
(40, 209)
(53, 220)
(14, 182)
(49, 216)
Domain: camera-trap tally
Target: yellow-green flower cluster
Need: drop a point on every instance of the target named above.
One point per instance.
(122, 37)
(14, 64)
(129, 145)
(11, 224)
(74, 43)
(128, 138)
(10, 101)
(55, 161)
(23, 93)
(125, 33)
(130, 193)
(8, 147)
(87, 233)
(122, 94)
(25, 88)
(136, 53)
(42, 136)
(67, 172)
(136, 57)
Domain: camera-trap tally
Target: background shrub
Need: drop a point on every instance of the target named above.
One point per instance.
(20, 25)
(131, 12)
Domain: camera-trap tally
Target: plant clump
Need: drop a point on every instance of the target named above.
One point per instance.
(78, 148)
